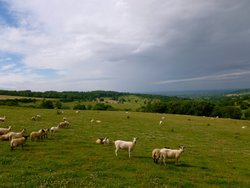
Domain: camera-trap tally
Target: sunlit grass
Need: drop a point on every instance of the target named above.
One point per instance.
(217, 152)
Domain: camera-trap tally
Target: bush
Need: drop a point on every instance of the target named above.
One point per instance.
(79, 107)
(47, 104)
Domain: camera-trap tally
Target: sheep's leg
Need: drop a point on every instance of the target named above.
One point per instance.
(128, 153)
(164, 160)
(116, 151)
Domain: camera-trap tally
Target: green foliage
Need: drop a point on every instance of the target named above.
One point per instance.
(101, 106)
(47, 104)
(247, 114)
(79, 107)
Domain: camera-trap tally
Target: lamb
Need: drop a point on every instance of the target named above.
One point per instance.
(120, 144)
(156, 155)
(36, 135)
(171, 153)
(16, 135)
(17, 142)
(5, 130)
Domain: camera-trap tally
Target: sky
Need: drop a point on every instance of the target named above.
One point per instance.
(124, 45)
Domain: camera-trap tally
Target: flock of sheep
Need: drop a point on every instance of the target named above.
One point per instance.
(19, 139)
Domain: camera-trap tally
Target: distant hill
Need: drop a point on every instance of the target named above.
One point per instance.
(196, 93)
(240, 92)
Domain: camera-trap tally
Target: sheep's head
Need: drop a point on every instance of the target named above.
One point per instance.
(182, 147)
(134, 140)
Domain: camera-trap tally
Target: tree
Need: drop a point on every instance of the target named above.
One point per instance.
(47, 104)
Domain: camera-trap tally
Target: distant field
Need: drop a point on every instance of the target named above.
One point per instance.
(217, 152)
(10, 97)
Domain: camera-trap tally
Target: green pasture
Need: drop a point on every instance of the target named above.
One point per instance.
(217, 152)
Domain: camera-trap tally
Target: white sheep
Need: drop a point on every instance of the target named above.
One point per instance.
(2, 119)
(161, 122)
(120, 144)
(17, 142)
(5, 130)
(156, 155)
(53, 130)
(171, 154)
(16, 134)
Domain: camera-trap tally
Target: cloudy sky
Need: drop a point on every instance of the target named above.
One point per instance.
(124, 45)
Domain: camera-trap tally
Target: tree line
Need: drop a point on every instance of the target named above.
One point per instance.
(221, 106)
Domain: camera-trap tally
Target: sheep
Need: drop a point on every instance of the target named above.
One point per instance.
(4, 130)
(16, 134)
(98, 121)
(102, 140)
(161, 122)
(171, 153)
(6, 136)
(36, 117)
(2, 119)
(36, 135)
(120, 144)
(17, 142)
(53, 130)
(156, 155)
(44, 133)
(64, 124)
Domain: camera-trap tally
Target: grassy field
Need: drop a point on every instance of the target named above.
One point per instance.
(217, 152)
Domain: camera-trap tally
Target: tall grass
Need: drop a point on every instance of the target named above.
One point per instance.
(217, 152)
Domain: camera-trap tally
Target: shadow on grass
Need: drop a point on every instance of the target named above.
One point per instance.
(185, 165)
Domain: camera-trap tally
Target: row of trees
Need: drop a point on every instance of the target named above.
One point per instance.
(226, 107)
(197, 108)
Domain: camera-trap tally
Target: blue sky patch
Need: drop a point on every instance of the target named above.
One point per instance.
(7, 16)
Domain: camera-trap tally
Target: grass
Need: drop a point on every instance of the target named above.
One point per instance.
(217, 152)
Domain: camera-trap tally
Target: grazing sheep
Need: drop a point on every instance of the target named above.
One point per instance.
(36, 135)
(171, 153)
(36, 117)
(16, 134)
(102, 140)
(5, 130)
(64, 124)
(98, 121)
(156, 155)
(17, 142)
(2, 119)
(120, 144)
